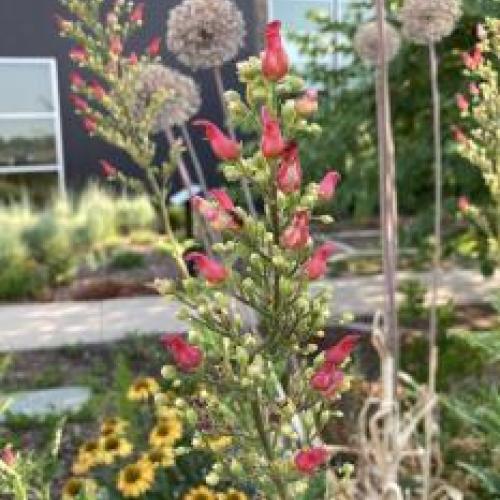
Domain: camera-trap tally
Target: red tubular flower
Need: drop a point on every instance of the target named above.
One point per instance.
(8, 456)
(78, 54)
(90, 125)
(307, 105)
(327, 187)
(463, 204)
(154, 46)
(116, 45)
(296, 235)
(224, 148)
(133, 59)
(308, 461)
(97, 90)
(474, 89)
(289, 176)
(76, 80)
(327, 380)
(275, 62)
(79, 103)
(316, 266)
(108, 169)
(186, 356)
(137, 15)
(213, 271)
(459, 135)
(337, 354)
(462, 102)
(272, 142)
(472, 60)
(204, 207)
(223, 199)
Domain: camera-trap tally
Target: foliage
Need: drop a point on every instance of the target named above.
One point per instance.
(348, 118)
(481, 112)
(473, 410)
(104, 103)
(43, 248)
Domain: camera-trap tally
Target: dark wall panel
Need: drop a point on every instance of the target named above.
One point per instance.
(27, 29)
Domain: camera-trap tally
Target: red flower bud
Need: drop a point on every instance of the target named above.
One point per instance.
(337, 354)
(275, 62)
(474, 89)
(459, 135)
(108, 169)
(307, 105)
(463, 204)
(78, 54)
(186, 356)
(289, 176)
(272, 143)
(296, 235)
(308, 461)
(133, 59)
(79, 103)
(97, 90)
(116, 45)
(472, 60)
(76, 80)
(462, 102)
(316, 266)
(213, 271)
(327, 187)
(90, 125)
(137, 15)
(154, 46)
(8, 456)
(224, 148)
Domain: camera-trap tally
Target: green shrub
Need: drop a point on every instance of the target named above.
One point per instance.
(19, 276)
(134, 213)
(96, 217)
(50, 245)
(126, 259)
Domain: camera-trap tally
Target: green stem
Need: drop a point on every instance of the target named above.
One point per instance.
(268, 450)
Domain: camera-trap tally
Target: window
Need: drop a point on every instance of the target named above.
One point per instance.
(293, 15)
(30, 123)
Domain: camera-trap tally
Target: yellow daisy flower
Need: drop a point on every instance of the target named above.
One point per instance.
(160, 457)
(166, 412)
(135, 479)
(220, 443)
(76, 486)
(82, 465)
(233, 494)
(89, 455)
(143, 389)
(200, 493)
(166, 433)
(113, 447)
(113, 426)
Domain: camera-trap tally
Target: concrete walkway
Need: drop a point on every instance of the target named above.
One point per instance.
(35, 326)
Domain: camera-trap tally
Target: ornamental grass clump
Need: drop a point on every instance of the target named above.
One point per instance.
(266, 391)
(480, 109)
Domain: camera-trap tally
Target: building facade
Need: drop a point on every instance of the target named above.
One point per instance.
(41, 139)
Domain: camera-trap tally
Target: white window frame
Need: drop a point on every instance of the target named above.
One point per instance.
(54, 115)
(336, 13)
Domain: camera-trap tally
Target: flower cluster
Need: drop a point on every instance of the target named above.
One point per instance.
(254, 322)
(367, 42)
(479, 108)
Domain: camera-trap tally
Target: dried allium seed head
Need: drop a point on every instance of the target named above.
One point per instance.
(366, 42)
(180, 107)
(205, 33)
(429, 21)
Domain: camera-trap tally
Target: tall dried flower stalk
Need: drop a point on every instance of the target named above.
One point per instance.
(427, 22)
